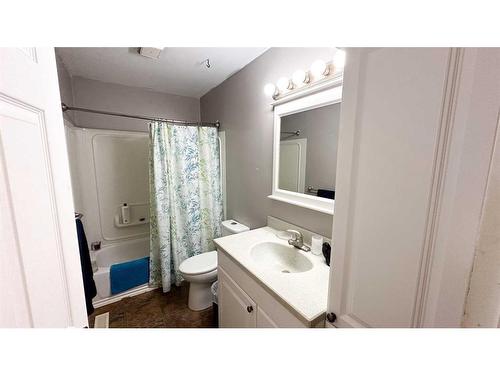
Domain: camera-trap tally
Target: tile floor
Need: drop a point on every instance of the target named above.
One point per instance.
(155, 310)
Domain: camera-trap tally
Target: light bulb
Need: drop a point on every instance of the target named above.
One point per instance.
(300, 77)
(319, 69)
(339, 59)
(270, 90)
(283, 84)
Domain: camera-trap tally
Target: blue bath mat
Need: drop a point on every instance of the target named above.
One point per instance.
(128, 275)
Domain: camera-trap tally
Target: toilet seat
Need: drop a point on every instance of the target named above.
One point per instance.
(199, 264)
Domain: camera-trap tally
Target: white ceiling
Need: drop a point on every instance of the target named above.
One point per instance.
(179, 71)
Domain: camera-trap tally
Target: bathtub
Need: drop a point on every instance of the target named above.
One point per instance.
(113, 254)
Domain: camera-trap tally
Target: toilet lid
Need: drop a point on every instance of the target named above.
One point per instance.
(202, 263)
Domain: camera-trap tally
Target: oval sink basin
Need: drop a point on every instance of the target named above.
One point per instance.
(280, 258)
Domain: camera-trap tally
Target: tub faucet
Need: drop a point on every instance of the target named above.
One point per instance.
(96, 245)
(297, 240)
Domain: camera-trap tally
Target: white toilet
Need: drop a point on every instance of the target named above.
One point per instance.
(201, 270)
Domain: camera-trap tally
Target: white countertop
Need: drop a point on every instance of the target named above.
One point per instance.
(304, 292)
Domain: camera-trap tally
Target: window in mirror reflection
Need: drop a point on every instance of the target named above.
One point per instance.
(308, 151)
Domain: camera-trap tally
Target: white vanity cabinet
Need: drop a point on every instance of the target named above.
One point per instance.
(236, 308)
(246, 303)
(264, 320)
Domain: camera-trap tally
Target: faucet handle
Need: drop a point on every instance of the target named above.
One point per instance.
(297, 240)
(295, 233)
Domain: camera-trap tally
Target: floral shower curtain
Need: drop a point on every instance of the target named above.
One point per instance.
(185, 197)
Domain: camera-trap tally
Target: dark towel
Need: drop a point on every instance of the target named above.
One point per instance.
(323, 193)
(88, 275)
(327, 252)
(128, 275)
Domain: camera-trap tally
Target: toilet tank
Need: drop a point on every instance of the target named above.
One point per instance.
(232, 227)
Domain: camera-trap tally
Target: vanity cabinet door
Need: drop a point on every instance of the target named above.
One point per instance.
(236, 308)
(263, 320)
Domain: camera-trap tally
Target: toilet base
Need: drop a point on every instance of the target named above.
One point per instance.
(200, 296)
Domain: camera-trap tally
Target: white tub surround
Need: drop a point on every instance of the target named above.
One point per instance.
(290, 299)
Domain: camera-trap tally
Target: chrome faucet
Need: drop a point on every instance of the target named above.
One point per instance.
(297, 240)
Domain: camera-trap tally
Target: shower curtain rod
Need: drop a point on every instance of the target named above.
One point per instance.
(179, 122)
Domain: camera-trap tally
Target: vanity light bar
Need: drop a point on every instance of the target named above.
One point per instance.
(318, 71)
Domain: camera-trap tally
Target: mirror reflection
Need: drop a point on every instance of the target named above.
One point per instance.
(308, 151)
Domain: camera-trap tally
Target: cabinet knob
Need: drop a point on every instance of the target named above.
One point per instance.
(331, 317)
(249, 309)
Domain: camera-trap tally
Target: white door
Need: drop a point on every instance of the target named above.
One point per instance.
(40, 275)
(404, 155)
(236, 308)
(292, 170)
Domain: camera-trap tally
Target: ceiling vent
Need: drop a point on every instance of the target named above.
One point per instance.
(150, 52)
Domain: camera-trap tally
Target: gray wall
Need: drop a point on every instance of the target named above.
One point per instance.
(247, 117)
(320, 127)
(118, 98)
(87, 93)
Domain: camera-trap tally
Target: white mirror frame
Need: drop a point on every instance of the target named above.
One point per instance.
(307, 101)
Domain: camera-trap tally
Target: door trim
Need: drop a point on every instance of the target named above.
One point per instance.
(440, 170)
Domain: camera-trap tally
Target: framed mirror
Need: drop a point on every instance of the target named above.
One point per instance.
(305, 149)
